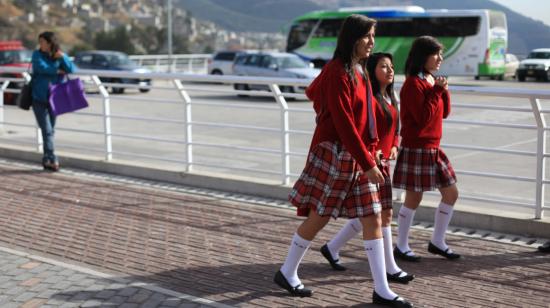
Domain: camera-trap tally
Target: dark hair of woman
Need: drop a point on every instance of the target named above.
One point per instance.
(421, 49)
(51, 38)
(352, 30)
(372, 62)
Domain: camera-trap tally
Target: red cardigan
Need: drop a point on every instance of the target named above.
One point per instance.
(341, 108)
(388, 135)
(423, 108)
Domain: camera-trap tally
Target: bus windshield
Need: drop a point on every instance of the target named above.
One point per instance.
(299, 33)
(15, 56)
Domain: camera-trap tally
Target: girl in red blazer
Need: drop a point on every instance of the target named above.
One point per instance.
(381, 73)
(341, 177)
(421, 163)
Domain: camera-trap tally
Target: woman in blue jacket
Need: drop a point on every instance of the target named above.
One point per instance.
(49, 65)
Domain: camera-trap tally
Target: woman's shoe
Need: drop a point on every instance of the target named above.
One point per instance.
(396, 302)
(333, 263)
(405, 256)
(400, 279)
(52, 166)
(447, 253)
(281, 281)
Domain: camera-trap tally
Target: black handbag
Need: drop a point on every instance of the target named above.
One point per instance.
(24, 100)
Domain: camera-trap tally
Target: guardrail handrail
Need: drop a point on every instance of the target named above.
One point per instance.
(178, 82)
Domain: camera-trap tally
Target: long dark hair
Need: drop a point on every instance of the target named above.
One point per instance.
(372, 62)
(421, 49)
(51, 38)
(353, 29)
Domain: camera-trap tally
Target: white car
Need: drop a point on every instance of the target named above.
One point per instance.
(221, 62)
(273, 64)
(536, 65)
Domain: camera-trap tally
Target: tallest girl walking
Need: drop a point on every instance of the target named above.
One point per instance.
(340, 177)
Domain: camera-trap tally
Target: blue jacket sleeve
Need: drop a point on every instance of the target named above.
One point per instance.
(66, 64)
(41, 66)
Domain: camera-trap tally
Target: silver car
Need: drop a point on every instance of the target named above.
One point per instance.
(273, 64)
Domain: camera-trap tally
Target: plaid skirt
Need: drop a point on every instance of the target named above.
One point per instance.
(385, 188)
(333, 185)
(423, 170)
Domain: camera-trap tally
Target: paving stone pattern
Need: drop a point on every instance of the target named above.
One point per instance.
(223, 251)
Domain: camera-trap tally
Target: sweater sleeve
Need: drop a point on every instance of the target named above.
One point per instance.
(339, 98)
(41, 66)
(423, 103)
(66, 64)
(446, 104)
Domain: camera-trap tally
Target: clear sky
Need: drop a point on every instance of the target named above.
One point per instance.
(536, 9)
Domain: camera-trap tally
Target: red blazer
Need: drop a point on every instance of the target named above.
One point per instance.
(341, 108)
(423, 108)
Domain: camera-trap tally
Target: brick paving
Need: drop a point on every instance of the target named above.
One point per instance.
(223, 251)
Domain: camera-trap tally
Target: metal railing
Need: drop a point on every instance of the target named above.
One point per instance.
(184, 84)
(182, 63)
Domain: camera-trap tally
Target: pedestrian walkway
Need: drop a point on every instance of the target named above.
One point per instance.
(191, 248)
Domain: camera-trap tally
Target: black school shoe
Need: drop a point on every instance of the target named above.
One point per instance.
(281, 281)
(404, 256)
(545, 247)
(447, 253)
(396, 277)
(398, 301)
(333, 263)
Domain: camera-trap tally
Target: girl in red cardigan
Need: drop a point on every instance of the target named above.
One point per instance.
(381, 73)
(421, 164)
(340, 177)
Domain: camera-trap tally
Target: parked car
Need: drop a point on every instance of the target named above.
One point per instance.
(113, 61)
(273, 64)
(221, 62)
(511, 65)
(537, 65)
(14, 54)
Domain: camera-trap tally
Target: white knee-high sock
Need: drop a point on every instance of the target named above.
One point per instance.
(443, 216)
(348, 231)
(391, 266)
(296, 252)
(404, 222)
(375, 254)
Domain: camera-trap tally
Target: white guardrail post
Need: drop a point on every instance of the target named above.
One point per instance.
(188, 125)
(106, 118)
(541, 160)
(285, 134)
(3, 88)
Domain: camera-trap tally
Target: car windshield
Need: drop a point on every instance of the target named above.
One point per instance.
(539, 55)
(15, 56)
(290, 62)
(119, 60)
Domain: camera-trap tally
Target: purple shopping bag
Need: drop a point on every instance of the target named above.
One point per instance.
(67, 96)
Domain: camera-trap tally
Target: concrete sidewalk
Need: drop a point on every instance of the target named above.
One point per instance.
(193, 247)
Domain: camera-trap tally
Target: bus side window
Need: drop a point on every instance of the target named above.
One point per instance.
(328, 28)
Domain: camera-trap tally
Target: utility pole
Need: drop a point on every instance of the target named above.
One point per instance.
(169, 27)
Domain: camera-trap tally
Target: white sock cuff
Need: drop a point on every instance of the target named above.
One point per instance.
(406, 211)
(374, 244)
(298, 240)
(447, 208)
(386, 231)
(356, 224)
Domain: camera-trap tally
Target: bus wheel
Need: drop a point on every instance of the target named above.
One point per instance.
(521, 78)
(476, 77)
(500, 77)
